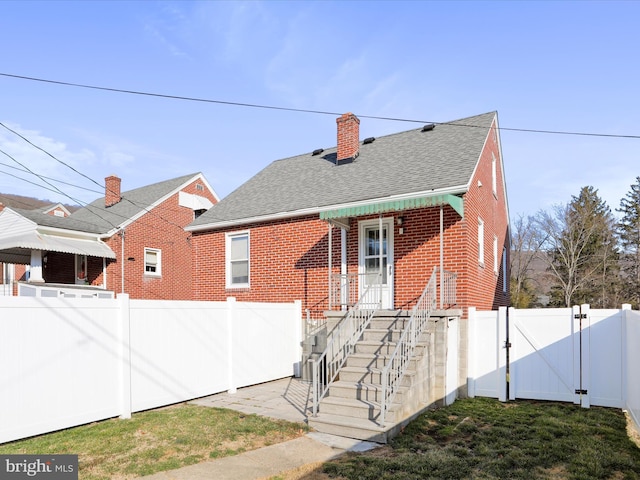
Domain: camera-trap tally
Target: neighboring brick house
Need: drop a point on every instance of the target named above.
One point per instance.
(136, 235)
(438, 193)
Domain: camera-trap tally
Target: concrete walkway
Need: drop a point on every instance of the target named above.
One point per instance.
(286, 399)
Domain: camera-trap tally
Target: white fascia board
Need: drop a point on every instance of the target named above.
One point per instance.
(316, 210)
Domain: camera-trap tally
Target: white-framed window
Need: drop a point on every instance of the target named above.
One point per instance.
(480, 241)
(237, 259)
(152, 262)
(494, 175)
(495, 255)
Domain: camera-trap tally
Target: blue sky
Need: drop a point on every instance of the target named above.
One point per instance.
(562, 66)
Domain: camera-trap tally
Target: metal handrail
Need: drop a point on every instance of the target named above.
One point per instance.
(399, 360)
(342, 341)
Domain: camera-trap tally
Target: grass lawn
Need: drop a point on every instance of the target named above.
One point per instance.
(483, 438)
(158, 440)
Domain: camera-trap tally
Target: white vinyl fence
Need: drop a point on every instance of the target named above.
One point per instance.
(580, 355)
(66, 362)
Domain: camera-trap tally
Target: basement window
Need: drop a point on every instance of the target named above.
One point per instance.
(152, 262)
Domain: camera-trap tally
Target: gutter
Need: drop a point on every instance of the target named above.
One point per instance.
(457, 190)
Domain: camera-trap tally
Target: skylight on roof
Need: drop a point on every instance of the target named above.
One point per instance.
(428, 127)
(368, 140)
(317, 151)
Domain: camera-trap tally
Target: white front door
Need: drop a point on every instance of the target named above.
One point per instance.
(369, 260)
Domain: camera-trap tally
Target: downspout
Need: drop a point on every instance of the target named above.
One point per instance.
(122, 259)
(441, 258)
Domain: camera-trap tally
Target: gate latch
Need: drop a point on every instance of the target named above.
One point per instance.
(507, 344)
(580, 316)
(580, 391)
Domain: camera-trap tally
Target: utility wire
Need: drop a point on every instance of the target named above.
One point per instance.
(87, 206)
(48, 178)
(302, 110)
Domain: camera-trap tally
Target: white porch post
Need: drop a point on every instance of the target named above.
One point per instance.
(380, 250)
(35, 270)
(344, 284)
(330, 262)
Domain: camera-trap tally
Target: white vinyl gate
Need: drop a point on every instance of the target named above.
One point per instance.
(572, 355)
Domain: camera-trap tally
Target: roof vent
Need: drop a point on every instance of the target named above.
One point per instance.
(368, 140)
(317, 151)
(428, 127)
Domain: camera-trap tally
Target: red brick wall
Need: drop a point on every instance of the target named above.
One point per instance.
(288, 261)
(481, 287)
(162, 228)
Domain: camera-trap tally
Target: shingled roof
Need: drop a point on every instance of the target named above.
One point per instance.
(97, 218)
(439, 160)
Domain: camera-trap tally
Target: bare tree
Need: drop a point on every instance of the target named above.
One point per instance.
(581, 248)
(525, 248)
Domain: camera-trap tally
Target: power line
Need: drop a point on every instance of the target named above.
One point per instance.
(57, 190)
(48, 178)
(302, 110)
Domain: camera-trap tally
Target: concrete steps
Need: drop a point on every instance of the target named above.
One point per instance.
(352, 406)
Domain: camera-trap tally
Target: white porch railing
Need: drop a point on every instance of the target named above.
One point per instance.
(399, 360)
(342, 340)
(448, 285)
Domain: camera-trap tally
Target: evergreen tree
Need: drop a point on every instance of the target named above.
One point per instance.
(629, 233)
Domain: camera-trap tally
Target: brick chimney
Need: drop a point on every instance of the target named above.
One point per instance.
(112, 190)
(1, 206)
(348, 136)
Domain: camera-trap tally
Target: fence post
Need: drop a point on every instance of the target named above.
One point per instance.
(231, 304)
(471, 352)
(511, 334)
(503, 348)
(300, 337)
(124, 317)
(585, 360)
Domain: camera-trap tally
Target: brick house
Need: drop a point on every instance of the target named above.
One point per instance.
(137, 236)
(386, 242)
(438, 192)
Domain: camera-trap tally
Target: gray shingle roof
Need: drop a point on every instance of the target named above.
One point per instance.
(96, 218)
(397, 164)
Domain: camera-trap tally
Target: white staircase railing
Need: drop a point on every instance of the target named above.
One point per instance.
(343, 339)
(399, 360)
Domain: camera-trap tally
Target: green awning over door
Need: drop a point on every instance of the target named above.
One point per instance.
(395, 206)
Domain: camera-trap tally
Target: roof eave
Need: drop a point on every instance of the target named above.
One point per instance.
(457, 190)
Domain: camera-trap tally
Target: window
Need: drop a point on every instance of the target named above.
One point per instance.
(237, 253)
(494, 179)
(152, 262)
(495, 254)
(480, 242)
